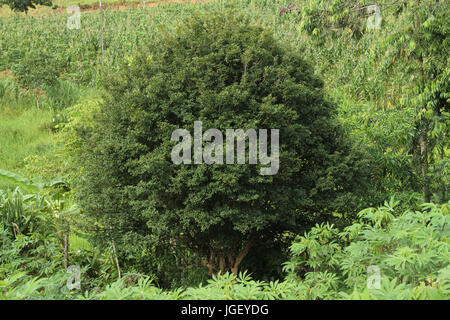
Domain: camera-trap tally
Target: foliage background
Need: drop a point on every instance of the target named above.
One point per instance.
(390, 86)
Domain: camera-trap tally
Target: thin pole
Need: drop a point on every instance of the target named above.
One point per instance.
(66, 249)
(101, 29)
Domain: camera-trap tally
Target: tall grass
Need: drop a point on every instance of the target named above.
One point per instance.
(12, 97)
(26, 133)
(23, 133)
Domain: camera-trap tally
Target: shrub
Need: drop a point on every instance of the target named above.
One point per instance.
(227, 73)
(408, 250)
(36, 71)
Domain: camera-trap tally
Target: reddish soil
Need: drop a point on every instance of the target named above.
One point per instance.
(122, 5)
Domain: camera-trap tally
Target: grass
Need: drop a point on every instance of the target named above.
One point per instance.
(27, 141)
(22, 134)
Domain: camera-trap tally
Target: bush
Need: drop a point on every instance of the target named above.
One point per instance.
(24, 5)
(37, 71)
(409, 251)
(227, 73)
(19, 213)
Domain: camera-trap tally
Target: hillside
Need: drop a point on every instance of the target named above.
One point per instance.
(360, 96)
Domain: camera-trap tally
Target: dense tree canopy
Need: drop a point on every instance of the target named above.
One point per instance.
(24, 5)
(223, 71)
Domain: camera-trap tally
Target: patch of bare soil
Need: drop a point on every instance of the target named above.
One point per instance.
(126, 5)
(6, 74)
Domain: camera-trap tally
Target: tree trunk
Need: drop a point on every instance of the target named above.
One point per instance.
(37, 99)
(66, 249)
(423, 137)
(423, 143)
(242, 254)
(228, 260)
(443, 186)
(116, 260)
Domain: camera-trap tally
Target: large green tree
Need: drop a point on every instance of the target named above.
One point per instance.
(221, 70)
(24, 5)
